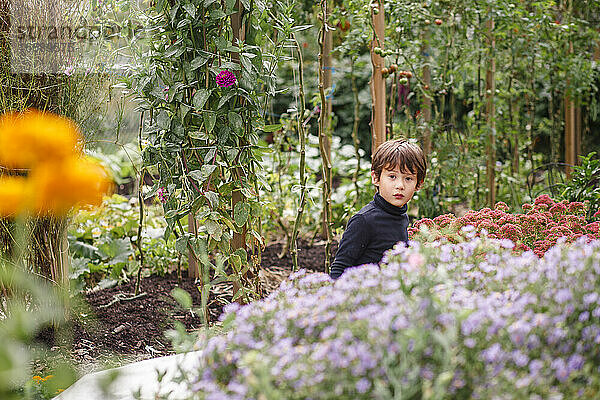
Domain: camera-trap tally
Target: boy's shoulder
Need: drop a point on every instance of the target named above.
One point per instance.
(369, 208)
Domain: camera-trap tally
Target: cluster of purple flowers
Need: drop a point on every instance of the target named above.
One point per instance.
(467, 320)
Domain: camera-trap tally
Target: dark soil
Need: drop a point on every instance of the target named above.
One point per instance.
(115, 324)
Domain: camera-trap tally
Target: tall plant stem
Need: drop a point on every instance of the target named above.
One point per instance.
(141, 215)
(355, 139)
(323, 128)
(302, 140)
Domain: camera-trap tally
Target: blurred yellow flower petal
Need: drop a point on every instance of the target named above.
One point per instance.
(32, 137)
(75, 181)
(13, 195)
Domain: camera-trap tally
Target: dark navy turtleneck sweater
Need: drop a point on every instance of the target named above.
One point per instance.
(377, 227)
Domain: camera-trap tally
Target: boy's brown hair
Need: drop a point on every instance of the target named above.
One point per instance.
(401, 154)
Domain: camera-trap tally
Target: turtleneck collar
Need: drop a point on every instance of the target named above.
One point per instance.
(387, 207)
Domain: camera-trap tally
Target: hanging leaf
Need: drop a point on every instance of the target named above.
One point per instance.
(198, 62)
(200, 98)
(190, 9)
(202, 174)
(213, 229)
(210, 118)
(271, 128)
(224, 99)
(240, 213)
(213, 199)
(210, 155)
(236, 121)
(181, 244)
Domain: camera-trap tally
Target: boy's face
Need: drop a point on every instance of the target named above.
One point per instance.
(396, 187)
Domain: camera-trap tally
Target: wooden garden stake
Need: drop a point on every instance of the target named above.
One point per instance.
(327, 106)
(325, 156)
(239, 238)
(377, 81)
(490, 89)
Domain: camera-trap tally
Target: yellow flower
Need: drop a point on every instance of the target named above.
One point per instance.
(31, 137)
(75, 181)
(13, 195)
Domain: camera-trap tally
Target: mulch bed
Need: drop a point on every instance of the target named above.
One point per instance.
(111, 323)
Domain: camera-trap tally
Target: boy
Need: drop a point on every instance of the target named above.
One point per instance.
(398, 170)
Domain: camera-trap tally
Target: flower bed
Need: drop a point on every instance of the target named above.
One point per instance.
(445, 321)
(537, 229)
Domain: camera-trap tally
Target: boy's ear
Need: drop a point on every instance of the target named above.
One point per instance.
(374, 178)
(419, 185)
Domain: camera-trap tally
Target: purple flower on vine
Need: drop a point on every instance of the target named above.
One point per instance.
(226, 79)
(162, 195)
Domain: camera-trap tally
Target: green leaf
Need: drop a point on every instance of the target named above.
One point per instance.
(182, 297)
(212, 198)
(210, 118)
(271, 128)
(117, 250)
(242, 254)
(202, 174)
(198, 62)
(236, 261)
(210, 155)
(214, 229)
(190, 9)
(229, 4)
(246, 63)
(224, 99)
(236, 121)
(83, 249)
(240, 213)
(183, 23)
(216, 14)
(200, 98)
(181, 244)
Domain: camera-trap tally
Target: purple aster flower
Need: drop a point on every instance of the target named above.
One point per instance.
(590, 298)
(493, 354)
(575, 362)
(563, 295)
(363, 385)
(535, 366)
(226, 79)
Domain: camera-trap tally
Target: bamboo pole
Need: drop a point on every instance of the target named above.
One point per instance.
(377, 81)
(325, 157)
(490, 88)
(328, 105)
